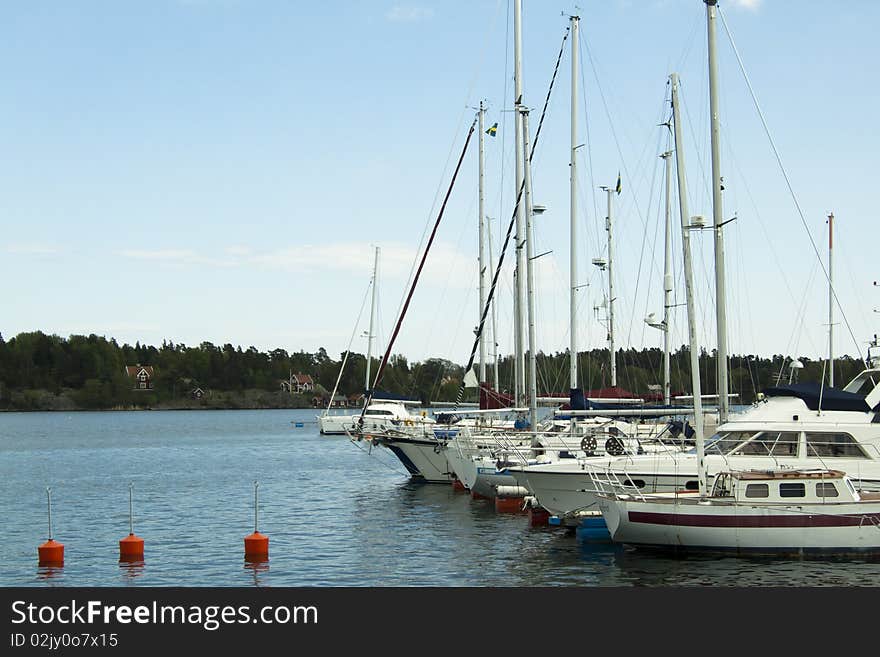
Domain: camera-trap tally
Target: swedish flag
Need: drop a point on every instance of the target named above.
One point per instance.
(617, 188)
(491, 131)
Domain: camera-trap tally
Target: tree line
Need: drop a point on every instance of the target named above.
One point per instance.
(40, 371)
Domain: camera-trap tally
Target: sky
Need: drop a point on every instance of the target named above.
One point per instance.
(221, 170)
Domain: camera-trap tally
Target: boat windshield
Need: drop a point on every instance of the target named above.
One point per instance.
(724, 442)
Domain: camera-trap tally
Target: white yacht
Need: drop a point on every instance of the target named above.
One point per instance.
(799, 426)
(380, 413)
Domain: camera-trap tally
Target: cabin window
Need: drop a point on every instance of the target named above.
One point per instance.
(837, 444)
(757, 490)
(771, 443)
(826, 489)
(726, 442)
(692, 485)
(792, 490)
(635, 483)
(379, 413)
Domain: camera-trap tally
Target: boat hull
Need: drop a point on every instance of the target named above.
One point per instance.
(423, 457)
(749, 529)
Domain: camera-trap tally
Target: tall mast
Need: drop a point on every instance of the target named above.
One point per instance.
(611, 348)
(573, 349)
(667, 280)
(482, 245)
(830, 300)
(372, 319)
(494, 313)
(519, 365)
(689, 289)
(718, 220)
(530, 275)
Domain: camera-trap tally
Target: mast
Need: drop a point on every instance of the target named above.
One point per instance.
(494, 312)
(830, 301)
(530, 274)
(667, 280)
(482, 245)
(689, 289)
(611, 348)
(519, 364)
(372, 319)
(573, 348)
(718, 220)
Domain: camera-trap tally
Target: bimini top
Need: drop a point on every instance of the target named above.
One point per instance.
(832, 399)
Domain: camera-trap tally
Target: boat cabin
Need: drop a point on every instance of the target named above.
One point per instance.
(787, 487)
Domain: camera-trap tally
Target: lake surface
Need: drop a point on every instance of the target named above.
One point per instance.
(335, 514)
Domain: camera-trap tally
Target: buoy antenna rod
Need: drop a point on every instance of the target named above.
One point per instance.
(49, 509)
(130, 508)
(256, 506)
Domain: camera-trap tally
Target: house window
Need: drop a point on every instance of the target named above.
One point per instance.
(143, 385)
(836, 444)
(826, 489)
(757, 490)
(792, 490)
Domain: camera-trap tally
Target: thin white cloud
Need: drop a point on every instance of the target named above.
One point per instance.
(409, 14)
(179, 257)
(444, 265)
(751, 5)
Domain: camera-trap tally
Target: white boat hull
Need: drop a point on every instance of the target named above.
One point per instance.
(787, 529)
(422, 456)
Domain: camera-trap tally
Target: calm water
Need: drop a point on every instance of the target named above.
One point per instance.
(335, 514)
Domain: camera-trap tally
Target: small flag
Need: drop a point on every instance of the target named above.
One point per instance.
(470, 380)
(617, 189)
(491, 131)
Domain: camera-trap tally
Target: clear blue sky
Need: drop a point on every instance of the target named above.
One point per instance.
(219, 170)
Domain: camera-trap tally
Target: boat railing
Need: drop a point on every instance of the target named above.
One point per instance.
(608, 482)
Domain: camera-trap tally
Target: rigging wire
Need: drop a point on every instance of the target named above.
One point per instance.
(421, 266)
(478, 332)
(350, 341)
(788, 181)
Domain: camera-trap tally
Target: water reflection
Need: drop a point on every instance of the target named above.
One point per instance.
(49, 572)
(131, 568)
(258, 567)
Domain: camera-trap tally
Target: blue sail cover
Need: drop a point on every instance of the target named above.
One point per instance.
(579, 401)
(832, 398)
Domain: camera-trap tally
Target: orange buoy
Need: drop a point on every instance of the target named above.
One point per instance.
(131, 548)
(256, 545)
(457, 485)
(508, 504)
(50, 553)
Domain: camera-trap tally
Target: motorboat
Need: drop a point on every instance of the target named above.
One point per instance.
(777, 511)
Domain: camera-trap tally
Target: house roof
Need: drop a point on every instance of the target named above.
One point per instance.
(134, 370)
(302, 378)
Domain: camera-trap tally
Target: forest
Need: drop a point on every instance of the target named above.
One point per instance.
(49, 372)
